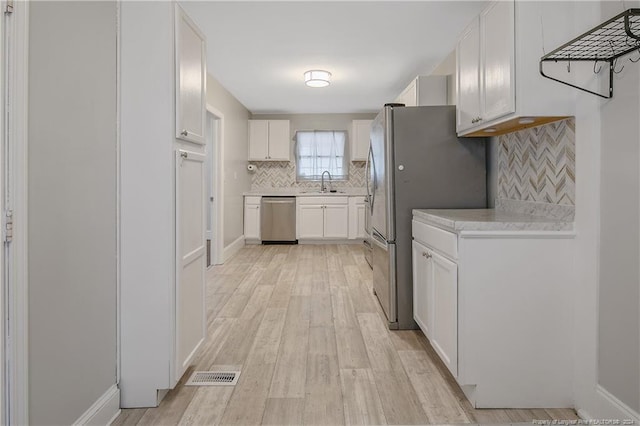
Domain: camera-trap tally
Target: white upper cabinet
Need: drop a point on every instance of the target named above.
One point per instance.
(191, 76)
(360, 136)
(498, 85)
(269, 140)
(409, 96)
(500, 89)
(424, 91)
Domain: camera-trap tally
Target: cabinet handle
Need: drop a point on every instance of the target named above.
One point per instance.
(427, 255)
(184, 132)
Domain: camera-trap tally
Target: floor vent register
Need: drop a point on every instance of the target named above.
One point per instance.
(213, 378)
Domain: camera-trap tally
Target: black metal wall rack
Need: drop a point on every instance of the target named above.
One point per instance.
(607, 42)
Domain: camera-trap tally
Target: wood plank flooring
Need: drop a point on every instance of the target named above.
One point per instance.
(302, 324)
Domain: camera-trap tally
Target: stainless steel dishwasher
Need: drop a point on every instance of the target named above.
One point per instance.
(278, 220)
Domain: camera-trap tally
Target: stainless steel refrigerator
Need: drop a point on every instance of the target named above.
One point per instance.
(415, 161)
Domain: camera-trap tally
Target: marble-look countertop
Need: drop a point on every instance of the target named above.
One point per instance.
(304, 192)
(456, 220)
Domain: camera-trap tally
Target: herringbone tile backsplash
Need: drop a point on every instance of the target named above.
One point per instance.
(282, 174)
(539, 164)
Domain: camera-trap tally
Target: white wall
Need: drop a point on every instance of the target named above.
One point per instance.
(72, 208)
(607, 221)
(235, 153)
(147, 247)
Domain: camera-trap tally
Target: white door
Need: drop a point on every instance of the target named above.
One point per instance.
(422, 288)
(336, 221)
(190, 319)
(310, 221)
(258, 139)
(444, 333)
(279, 140)
(498, 41)
(190, 79)
(252, 221)
(468, 75)
(360, 221)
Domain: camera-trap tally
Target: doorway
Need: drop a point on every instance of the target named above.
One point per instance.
(213, 188)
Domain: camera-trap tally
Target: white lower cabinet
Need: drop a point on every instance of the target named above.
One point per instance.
(252, 219)
(322, 217)
(497, 307)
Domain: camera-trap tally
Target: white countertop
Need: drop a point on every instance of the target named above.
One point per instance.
(305, 192)
(489, 220)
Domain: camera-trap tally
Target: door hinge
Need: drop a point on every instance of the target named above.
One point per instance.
(8, 226)
(8, 9)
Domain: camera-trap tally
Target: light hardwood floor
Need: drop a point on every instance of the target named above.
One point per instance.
(302, 324)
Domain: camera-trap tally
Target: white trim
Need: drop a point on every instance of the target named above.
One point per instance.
(233, 248)
(104, 411)
(613, 408)
(218, 190)
(118, 192)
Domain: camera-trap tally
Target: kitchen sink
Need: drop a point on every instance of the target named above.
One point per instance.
(317, 191)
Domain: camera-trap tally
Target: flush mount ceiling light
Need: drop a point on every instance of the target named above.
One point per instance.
(317, 78)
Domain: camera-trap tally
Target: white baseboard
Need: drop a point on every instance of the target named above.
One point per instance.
(104, 410)
(607, 406)
(233, 248)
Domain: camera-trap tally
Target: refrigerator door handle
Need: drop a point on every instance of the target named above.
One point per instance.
(372, 199)
(366, 172)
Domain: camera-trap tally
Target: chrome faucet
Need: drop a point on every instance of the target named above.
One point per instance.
(323, 188)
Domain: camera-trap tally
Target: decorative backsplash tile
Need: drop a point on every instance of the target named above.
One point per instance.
(539, 164)
(282, 174)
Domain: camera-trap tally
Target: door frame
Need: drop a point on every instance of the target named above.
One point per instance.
(218, 187)
(15, 392)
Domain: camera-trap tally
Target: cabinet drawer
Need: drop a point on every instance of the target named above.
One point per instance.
(439, 239)
(252, 200)
(358, 199)
(323, 200)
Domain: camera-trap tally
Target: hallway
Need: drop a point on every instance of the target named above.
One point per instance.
(302, 324)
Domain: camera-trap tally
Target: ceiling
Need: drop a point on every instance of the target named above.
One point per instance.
(260, 50)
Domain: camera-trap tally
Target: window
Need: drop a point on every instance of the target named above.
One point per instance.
(320, 150)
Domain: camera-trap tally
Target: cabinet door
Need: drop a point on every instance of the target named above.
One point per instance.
(409, 96)
(190, 79)
(252, 221)
(258, 139)
(360, 139)
(444, 332)
(498, 53)
(422, 288)
(360, 221)
(279, 137)
(190, 312)
(310, 221)
(336, 221)
(468, 77)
